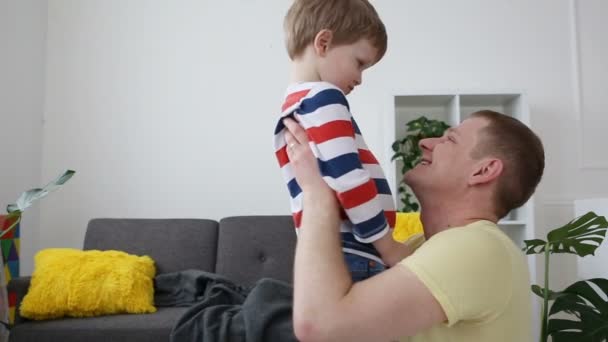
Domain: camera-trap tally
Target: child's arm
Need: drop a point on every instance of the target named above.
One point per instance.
(326, 117)
(407, 228)
(391, 251)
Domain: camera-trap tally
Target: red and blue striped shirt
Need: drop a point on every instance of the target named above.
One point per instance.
(346, 163)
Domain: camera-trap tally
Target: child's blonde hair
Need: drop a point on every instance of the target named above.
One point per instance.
(349, 21)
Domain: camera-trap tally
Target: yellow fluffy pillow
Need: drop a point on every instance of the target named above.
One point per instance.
(71, 282)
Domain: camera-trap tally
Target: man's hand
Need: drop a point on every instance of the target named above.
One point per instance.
(304, 163)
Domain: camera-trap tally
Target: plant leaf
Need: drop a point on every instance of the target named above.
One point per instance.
(589, 310)
(580, 236)
(407, 150)
(28, 197)
(536, 246)
(397, 155)
(539, 291)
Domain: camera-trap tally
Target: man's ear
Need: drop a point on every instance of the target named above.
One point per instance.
(485, 171)
(322, 42)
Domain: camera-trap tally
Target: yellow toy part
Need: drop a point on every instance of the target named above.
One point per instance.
(407, 225)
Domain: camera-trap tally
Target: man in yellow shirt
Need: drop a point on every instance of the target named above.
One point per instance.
(465, 281)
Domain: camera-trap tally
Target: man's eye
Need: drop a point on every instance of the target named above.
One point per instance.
(450, 138)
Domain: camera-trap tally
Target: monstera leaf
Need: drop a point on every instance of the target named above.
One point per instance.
(580, 236)
(589, 308)
(27, 198)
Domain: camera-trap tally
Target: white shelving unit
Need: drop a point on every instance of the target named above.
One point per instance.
(453, 109)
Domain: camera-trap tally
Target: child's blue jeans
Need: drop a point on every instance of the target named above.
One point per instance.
(361, 267)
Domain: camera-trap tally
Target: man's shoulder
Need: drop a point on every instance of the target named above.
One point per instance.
(491, 234)
(481, 229)
(478, 230)
(480, 239)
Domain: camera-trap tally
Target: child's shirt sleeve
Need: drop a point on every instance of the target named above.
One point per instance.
(329, 124)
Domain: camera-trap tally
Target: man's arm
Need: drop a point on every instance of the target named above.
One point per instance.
(327, 306)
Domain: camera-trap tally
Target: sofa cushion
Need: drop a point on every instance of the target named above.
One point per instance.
(173, 244)
(71, 282)
(253, 247)
(154, 327)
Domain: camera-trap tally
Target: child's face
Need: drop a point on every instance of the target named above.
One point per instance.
(343, 65)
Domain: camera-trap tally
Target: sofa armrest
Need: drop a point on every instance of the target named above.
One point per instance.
(20, 286)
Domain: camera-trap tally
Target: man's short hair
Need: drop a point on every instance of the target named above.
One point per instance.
(521, 152)
(349, 20)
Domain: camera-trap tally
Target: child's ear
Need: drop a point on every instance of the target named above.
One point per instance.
(322, 42)
(485, 171)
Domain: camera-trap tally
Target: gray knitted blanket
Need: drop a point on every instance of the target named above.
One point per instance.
(223, 311)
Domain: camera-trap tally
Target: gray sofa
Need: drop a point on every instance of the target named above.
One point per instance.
(244, 249)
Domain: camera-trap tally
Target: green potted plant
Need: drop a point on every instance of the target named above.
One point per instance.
(584, 301)
(407, 150)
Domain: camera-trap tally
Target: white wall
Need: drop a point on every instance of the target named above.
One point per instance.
(22, 54)
(166, 108)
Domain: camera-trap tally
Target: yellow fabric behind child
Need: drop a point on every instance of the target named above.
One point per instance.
(407, 225)
(71, 282)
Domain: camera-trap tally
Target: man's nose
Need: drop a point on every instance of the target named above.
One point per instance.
(427, 144)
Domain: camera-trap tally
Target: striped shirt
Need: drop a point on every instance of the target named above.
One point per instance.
(345, 162)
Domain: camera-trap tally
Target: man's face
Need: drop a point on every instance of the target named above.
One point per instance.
(447, 164)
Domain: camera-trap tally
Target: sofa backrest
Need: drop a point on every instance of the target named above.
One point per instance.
(254, 247)
(174, 244)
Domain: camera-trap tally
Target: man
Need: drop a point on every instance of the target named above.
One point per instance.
(466, 282)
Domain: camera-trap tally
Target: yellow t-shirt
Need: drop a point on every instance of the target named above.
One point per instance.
(480, 279)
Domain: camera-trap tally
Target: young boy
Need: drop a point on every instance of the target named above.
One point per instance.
(331, 43)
